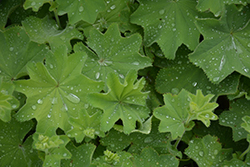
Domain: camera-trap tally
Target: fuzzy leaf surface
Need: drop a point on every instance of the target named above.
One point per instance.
(81, 10)
(113, 53)
(16, 51)
(206, 151)
(233, 118)
(46, 31)
(169, 23)
(13, 151)
(55, 90)
(80, 155)
(149, 157)
(123, 101)
(226, 44)
(217, 7)
(85, 125)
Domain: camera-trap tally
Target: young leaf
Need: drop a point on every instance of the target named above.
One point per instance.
(233, 118)
(81, 155)
(217, 6)
(122, 101)
(169, 23)
(149, 157)
(113, 53)
(7, 101)
(201, 109)
(13, 149)
(35, 4)
(16, 51)
(80, 10)
(54, 148)
(226, 41)
(206, 151)
(56, 90)
(246, 124)
(46, 31)
(85, 125)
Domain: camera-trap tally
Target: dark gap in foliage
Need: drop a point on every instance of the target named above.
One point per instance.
(119, 122)
(31, 132)
(201, 38)
(223, 103)
(99, 151)
(59, 131)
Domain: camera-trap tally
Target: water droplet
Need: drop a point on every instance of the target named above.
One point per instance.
(112, 7)
(135, 63)
(80, 9)
(246, 69)
(215, 152)
(175, 90)
(73, 98)
(201, 153)
(33, 3)
(14, 106)
(62, 38)
(161, 12)
(33, 107)
(194, 84)
(97, 75)
(216, 79)
(49, 116)
(51, 66)
(39, 101)
(54, 100)
(248, 45)
(11, 49)
(148, 139)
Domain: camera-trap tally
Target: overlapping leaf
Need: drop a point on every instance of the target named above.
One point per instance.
(117, 11)
(54, 148)
(81, 155)
(169, 23)
(180, 110)
(149, 157)
(123, 101)
(181, 73)
(81, 10)
(56, 90)
(35, 4)
(113, 53)
(13, 149)
(16, 51)
(207, 151)
(217, 6)
(233, 118)
(85, 125)
(7, 101)
(46, 31)
(226, 46)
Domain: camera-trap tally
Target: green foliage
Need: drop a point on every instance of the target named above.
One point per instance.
(103, 83)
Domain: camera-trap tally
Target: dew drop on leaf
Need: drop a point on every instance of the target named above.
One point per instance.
(135, 63)
(33, 107)
(39, 101)
(194, 84)
(201, 153)
(73, 98)
(148, 139)
(248, 45)
(161, 12)
(175, 90)
(97, 75)
(11, 49)
(80, 9)
(54, 100)
(112, 7)
(216, 79)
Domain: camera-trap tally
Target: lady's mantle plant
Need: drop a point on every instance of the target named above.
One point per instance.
(124, 83)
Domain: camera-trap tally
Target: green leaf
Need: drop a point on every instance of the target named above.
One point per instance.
(81, 155)
(113, 53)
(7, 101)
(81, 10)
(181, 73)
(233, 118)
(55, 91)
(201, 109)
(117, 11)
(243, 89)
(217, 7)
(123, 101)
(46, 31)
(169, 23)
(54, 148)
(35, 4)
(234, 163)
(173, 116)
(16, 51)
(6, 8)
(135, 142)
(85, 125)
(14, 150)
(149, 157)
(206, 151)
(226, 41)
(246, 124)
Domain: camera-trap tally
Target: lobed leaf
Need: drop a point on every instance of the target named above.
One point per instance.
(55, 91)
(47, 31)
(35, 4)
(80, 10)
(169, 23)
(112, 53)
(123, 101)
(16, 51)
(226, 45)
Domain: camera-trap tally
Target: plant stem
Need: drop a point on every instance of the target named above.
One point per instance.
(245, 152)
(57, 19)
(178, 141)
